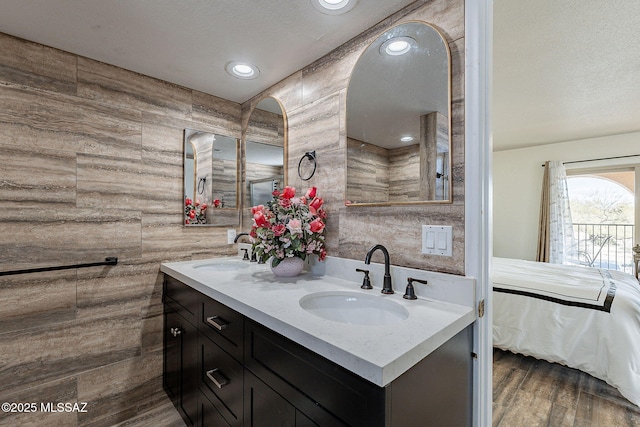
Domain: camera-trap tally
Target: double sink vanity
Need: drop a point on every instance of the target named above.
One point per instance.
(245, 348)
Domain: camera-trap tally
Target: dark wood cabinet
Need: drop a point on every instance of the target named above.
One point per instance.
(181, 363)
(209, 414)
(264, 407)
(222, 381)
(222, 369)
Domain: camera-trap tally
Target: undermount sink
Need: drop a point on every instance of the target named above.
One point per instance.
(222, 265)
(354, 308)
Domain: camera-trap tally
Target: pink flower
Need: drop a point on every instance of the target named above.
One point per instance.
(316, 225)
(289, 225)
(260, 219)
(295, 226)
(192, 214)
(288, 192)
(197, 202)
(187, 201)
(203, 207)
(285, 203)
(216, 203)
(278, 229)
(323, 255)
(315, 204)
(311, 193)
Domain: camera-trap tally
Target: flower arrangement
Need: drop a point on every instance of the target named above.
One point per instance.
(289, 226)
(194, 213)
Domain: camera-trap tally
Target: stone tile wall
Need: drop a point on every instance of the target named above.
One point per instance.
(314, 101)
(92, 167)
(92, 159)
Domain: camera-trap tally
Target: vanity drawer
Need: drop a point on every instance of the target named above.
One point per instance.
(222, 381)
(223, 325)
(187, 298)
(283, 364)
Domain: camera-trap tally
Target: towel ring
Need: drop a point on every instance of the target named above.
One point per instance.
(311, 157)
(201, 185)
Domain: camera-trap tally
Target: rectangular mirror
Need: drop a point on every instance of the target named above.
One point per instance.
(210, 179)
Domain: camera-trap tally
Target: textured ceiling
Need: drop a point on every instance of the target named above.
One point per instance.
(565, 70)
(189, 42)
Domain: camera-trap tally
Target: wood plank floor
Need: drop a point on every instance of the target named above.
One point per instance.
(530, 392)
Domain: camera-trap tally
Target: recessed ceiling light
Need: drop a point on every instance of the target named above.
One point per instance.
(397, 46)
(334, 7)
(406, 139)
(242, 70)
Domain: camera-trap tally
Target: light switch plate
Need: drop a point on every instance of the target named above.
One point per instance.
(231, 235)
(437, 240)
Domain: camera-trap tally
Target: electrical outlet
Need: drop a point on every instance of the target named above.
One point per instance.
(437, 240)
(231, 235)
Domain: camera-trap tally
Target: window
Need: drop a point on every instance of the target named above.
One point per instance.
(603, 215)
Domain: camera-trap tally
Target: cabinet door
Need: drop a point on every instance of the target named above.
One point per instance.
(181, 365)
(263, 407)
(303, 421)
(221, 380)
(172, 359)
(190, 372)
(209, 415)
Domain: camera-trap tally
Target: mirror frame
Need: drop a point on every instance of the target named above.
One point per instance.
(230, 211)
(449, 118)
(285, 154)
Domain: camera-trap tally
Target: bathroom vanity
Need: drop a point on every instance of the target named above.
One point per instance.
(241, 349)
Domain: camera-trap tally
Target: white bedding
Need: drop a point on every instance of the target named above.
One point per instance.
(572, 320)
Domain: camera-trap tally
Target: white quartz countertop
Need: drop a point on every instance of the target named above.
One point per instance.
(378, 353)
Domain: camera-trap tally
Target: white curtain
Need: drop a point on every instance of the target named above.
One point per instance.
(555, 237)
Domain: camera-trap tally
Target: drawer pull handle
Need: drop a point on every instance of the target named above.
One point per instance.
(217, 378)
(175, 331)
(217, 322)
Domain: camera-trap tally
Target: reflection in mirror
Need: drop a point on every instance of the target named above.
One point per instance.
(264, 159)
(210, 179)
(399, 119)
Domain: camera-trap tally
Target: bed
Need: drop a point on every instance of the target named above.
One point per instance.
(582, 317)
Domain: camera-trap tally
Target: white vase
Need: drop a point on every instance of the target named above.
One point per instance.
(288, 267)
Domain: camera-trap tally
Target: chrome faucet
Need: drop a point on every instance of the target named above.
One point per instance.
(387, 288)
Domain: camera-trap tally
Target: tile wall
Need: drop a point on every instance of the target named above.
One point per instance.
(92, 167)
(315, 99)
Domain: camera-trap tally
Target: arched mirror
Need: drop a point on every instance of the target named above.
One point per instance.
(210, 179)
(399, 119)
(265, 152)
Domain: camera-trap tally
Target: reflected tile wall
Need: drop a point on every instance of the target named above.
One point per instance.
(316, 117)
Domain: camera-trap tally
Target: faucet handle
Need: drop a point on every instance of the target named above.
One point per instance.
(410, 293)
(246, 254)
(366, 282)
